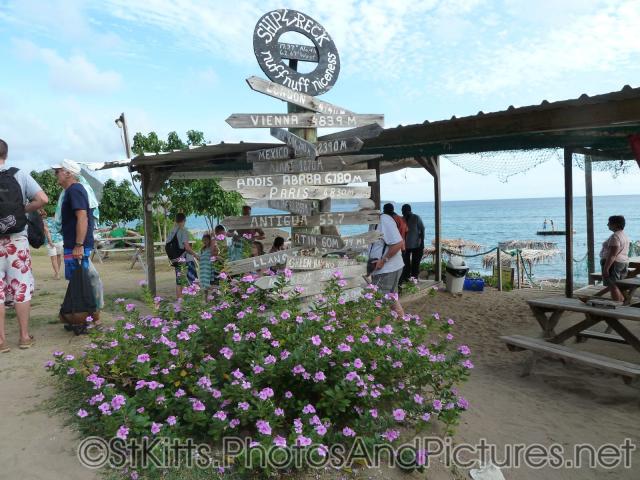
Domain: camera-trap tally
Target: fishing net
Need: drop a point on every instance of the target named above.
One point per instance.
(614, 167)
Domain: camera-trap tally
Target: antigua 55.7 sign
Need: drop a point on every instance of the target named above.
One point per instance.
(270, 55)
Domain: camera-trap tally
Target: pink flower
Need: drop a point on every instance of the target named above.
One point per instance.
(298, 369)
(171, 420)
(357, 363)
(220, 415)
(467, 364)
(303, 441)
(321, 429)
(243, 406)
(399, 414)
(82, 413)
(374, 412)
(319, 377)
(263, 427)
(143, 357)
(391, 435)
(308, 409)
(265, 393)
(426, 417)
(226, 352)
(258, 369)
(288, 394)
(197, 406)
(279, 441)
(155, 427)
(437, 405)
(343, 347)
(269, 359)
(278, 412)
(418, 399)
(464, 350)
(316, 340)
(117, 402)
(348, 432)
(123, 432)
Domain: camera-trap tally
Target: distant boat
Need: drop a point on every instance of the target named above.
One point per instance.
(551, 232)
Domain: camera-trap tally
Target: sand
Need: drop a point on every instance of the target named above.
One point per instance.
(564, 404)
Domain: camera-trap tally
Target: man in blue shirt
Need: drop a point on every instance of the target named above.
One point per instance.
(77, 225)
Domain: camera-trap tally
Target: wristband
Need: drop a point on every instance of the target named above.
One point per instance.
(79, 244)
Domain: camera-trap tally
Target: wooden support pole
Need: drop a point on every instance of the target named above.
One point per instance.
(499, 261)
(147, 197)
(518, 269)
(568, 219)
(437, 216)
(588, 183)
(375, 186)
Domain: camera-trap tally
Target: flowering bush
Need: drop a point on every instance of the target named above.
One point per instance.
(244, 362)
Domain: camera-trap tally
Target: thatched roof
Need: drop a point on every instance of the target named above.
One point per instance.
(455, 246)
(529, 255)
(529, 244)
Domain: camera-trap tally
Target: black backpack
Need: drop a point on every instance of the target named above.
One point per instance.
(35, 230)
(12, 215)
(172, 247)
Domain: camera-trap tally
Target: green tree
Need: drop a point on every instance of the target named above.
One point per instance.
(119, 203)
(47, 180)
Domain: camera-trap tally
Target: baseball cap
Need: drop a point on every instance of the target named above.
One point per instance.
(68, 165)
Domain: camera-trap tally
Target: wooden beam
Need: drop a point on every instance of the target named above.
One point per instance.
(588, 184)
(568, 220)
(375, 185)
(147, 197)
(432, 165)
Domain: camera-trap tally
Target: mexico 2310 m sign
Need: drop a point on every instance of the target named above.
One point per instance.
(269, 54)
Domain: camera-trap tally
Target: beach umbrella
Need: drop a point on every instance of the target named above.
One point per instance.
(529, 255)
(528, 244)
(457, 246)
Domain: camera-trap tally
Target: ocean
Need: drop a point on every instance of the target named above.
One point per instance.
(488, 222)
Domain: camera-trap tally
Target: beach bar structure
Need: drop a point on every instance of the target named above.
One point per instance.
(601, 127)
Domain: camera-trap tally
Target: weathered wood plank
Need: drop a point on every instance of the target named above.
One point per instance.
(312, 276)
(299, 145)
(261, 262)
(317, 263)
(363, 133)
(268, 154)
(298, 179)
(297, 98)
(302, 165)
(317, 241)
(304, 193)
(301, 207)
(302, 120)
(320, 220)
(292, 51)
(336, 147)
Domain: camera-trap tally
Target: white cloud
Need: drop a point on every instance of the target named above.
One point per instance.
(75, 74)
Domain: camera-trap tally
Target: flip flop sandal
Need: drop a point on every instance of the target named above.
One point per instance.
(4, 348)
(30, 343)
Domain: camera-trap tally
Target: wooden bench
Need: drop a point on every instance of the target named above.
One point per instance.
(595, 291)
(609, 337)
(630, 372)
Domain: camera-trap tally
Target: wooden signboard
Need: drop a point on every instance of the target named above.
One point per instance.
(312, 276)
(268, 154)
(330, 242)
(304, 53)
(301, 207)
(302, 120)
(319, 287)
(299, 179)
(363, 133)
(298, 98)
(354, 243)
(304, 165)
(337, 147)
(310, 192)
(255, 264)
(299, 145)
(317, 263)
(320, 220)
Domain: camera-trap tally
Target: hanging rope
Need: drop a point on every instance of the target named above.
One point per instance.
(457, 254)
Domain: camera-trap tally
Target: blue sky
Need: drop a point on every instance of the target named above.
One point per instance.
(71, 67)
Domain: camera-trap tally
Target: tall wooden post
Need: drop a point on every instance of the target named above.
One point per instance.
(432, 165)
(375, 186)
(568, 219)
(499, 263)
(588, 184)
(147, 197)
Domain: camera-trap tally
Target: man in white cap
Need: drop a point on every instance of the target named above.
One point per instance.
(77, 222)
(19, 194)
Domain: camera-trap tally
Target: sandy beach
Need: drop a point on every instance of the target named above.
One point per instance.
(558, 404)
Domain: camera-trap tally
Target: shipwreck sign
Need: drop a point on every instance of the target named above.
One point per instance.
(269, 54)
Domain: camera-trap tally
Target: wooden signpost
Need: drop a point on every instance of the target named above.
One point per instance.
(317, 263)
(338, 147)
(312, 192)
(283, 221)
(299, 145)
(363, 133)
(305, 165)
(255, 264)
(269, 154)
(301, 207)
(299, 179)
(313, 276)
(309, 240)
(301, 120)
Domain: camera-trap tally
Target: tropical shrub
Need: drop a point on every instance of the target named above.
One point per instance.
(247, 363)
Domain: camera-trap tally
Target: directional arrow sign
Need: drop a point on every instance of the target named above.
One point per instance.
(301, 207)
(276, 153)
(317, 263)
(301, 120)
(261, 262)
(298, 98)
(320, 220)
(305, 164)
(309, 192)
(299, 179)
(335, 147)
(317, 241)
(300, 145)
(363, 133)
(313, 276)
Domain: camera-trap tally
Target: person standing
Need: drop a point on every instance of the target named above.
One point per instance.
(187, 256)
(389, 266)
(414, 244)
(243, 237)
(19, 194)
(77, 225)
(614, 256)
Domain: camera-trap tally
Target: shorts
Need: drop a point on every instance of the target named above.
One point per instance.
(16, 278)
(618, 271)
(192, 272)
(55, 249)
(387, 282)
